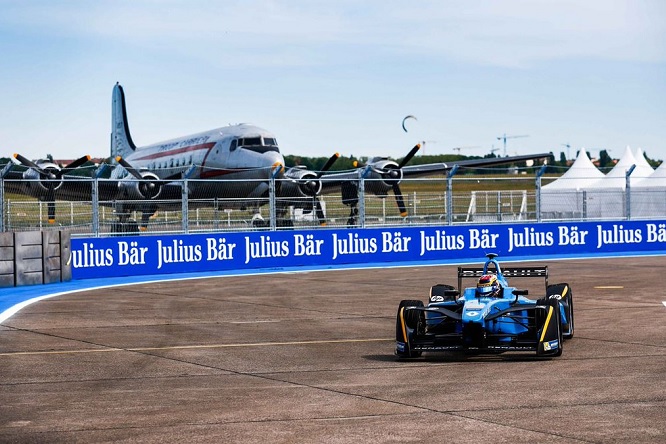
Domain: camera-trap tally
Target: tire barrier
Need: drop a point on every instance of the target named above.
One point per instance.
(34, 257)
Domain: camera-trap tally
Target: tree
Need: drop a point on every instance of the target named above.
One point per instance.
(604, 159)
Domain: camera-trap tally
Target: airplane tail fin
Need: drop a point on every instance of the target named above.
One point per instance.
(121, 140)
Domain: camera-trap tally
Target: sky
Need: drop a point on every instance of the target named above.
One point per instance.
(339, 75)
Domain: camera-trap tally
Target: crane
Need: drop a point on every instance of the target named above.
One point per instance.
(504, 137)
(458, 148)
(423, 145)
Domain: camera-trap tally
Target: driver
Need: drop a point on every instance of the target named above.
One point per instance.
(488, 286)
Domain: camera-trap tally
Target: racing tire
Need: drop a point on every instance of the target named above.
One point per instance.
(415, 321)
(566, 299)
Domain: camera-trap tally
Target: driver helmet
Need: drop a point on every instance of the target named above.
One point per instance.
(488, 286)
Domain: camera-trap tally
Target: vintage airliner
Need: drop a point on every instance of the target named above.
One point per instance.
(243, 158)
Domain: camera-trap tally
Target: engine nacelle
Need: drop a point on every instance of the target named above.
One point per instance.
(300, 182)
(38, 184)
(381, 176)
(146, 189)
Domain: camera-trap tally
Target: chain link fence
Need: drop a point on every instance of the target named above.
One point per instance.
(431, 201)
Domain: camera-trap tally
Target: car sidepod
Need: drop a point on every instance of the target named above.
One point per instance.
(409, 323)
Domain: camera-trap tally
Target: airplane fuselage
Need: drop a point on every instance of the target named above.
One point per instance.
(235, 152)
(242, 156)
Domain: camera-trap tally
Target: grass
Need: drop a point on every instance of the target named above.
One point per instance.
(425, 199)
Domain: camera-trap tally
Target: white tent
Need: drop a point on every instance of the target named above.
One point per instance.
(617, 177)
(565, 197)
(648, 195)
(581, 174)
(656, 179)
(606, 196)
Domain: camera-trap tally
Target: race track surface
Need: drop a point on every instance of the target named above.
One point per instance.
(308, 357)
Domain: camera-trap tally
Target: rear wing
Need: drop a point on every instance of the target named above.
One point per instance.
(477, 272)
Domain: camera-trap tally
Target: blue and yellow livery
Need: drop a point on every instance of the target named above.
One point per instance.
(476, 320)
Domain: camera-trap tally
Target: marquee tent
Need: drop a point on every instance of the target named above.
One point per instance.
(648, 195)
(606, 198)
(565, 197)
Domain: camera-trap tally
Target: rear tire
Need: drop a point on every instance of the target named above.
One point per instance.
(414, 321)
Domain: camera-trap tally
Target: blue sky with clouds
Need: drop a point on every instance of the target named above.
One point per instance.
(329, 76)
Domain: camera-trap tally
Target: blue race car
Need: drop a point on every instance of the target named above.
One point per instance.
(491, 317)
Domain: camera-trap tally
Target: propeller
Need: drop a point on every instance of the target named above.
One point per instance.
(315, 188)
(392, 174)
(311, 186)
(304, 183)
(409, 155)
(50, 178)
(148, 187)
(395, 176)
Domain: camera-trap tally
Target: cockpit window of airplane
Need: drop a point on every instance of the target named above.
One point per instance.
(256, 144)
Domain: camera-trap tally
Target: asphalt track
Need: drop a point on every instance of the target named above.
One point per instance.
(308, 357)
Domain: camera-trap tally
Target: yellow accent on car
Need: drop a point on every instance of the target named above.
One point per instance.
(402, 323)
(545, 324)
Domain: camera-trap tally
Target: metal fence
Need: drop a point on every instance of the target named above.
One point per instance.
(432, 201)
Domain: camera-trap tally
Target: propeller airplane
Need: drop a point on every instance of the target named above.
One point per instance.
(234, 164)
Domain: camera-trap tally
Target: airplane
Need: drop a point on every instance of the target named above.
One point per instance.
(234, 163)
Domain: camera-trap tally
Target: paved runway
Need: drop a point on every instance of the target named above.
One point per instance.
(309, 358)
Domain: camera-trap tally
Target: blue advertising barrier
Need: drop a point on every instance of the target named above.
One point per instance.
(168, 254)
(109, 262)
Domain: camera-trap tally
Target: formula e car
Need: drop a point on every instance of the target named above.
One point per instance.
(479, 320)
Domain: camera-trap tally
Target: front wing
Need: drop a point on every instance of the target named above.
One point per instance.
(536, 328)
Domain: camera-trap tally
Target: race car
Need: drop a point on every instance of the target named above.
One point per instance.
(491, 317)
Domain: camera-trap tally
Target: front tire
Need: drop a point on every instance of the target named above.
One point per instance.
(408, 323)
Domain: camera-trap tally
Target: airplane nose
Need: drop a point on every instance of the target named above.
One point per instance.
(273, 160)
(277, 169)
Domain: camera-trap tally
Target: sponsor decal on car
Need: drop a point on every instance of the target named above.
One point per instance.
(436, 298)
(472, 313)
(474, 305)
(400, 346)
(552, 345)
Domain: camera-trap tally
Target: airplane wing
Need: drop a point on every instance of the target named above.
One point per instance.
(145, 191)
(388, 169)
(385, 175)
(435, 168)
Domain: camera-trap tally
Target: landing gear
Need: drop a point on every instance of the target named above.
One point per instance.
(128, 226)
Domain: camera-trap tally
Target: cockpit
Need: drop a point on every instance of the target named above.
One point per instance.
(257, 144)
